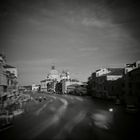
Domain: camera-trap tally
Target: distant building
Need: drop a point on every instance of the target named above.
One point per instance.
(71, 88)
(67, 84)
(44, 84)
(35, 87)
(53, 77)
(49, 83)
(53, 74)
(59, 82)
(21, 89)
(77, 89)
(27, 88)
(64, 75)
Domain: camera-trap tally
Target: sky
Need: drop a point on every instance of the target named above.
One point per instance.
(80, 36)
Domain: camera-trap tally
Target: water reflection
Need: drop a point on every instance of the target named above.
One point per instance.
(103, 118)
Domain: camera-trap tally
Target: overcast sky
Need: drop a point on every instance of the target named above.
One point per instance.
(76, 35)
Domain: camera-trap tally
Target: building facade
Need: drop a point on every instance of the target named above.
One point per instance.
(8, 77)
(71, 85)
(35, 87)
(44, 87)
(131, 83)
(58, 82)
(11, 69)
(132, 66)
(53, 77)
(3, 78)
(105, 83)
(53, 74)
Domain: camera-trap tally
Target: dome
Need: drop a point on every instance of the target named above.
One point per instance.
(53, 74)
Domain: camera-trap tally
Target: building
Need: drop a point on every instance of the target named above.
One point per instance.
(105, 83)
(12, 83)
(102, 71)
(23, 89)
(44, 85)
(3, 77)
(8, 81)
(132, 66)
(58, 82)
(12, 78)
(49, 84)
(53, 74)
(27, 88)
(131, 83)
(8, 77)
(53, 78)
(65, 75)
(11, 69)
(69, 84)
(35, 87)
(71, 88)
(77, 89)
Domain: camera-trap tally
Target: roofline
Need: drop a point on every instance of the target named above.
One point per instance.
(8, 66)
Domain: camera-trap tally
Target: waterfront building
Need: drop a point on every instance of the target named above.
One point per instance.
(49, 84)
(77, 89)
(132, 66)
(105, 83)
(102, 71)
(68, 83)
(35, 87)
(65, 75)
(11, 69)
(62, 80)
(3, 77)
(44, 85)
(131, 83)
(8, 77)
(53, 74)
